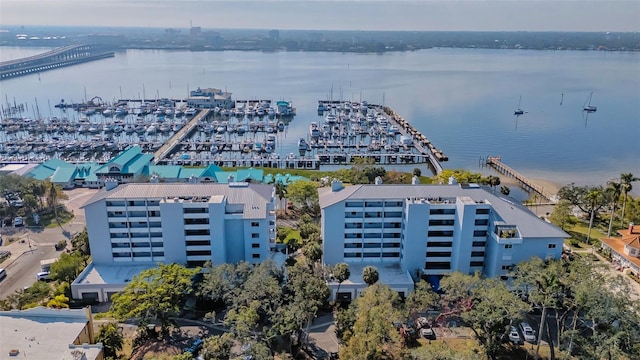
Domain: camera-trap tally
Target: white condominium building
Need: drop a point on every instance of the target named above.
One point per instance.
(414, 231)
(135, 226)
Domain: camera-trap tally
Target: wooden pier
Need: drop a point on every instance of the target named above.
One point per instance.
(180, 136)
(496, 163)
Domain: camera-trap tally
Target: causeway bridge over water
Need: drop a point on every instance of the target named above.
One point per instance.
(60, 57)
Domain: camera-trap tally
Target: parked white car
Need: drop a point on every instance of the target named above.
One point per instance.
(527, 332)
(514, 336)
(43, 275)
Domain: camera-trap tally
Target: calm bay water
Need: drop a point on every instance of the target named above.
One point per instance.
(461, 99)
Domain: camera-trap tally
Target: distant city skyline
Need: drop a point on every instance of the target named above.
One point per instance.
(409, 15)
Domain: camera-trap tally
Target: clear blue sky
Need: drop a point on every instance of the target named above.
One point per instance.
(474, 15)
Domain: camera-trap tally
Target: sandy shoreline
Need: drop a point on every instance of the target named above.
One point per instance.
(548, 185)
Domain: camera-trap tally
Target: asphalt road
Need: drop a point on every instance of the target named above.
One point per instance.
(24, 264)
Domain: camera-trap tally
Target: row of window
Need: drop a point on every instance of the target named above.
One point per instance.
(372, 235)
(377, 225)
(373, 214)
(138, 254)
(133, 203)
(445, 265)
(135, 235)
(135, 225)
(450, 244)
(372, 255)
(136, 245)
(370, 245)
(374, 204)
(118, 214)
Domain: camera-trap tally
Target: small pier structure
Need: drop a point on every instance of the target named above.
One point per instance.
(180, 136)
(496, 163)
(60, 57)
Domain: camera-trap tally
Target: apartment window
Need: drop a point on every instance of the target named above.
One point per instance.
(552, 246)
(203, 221)
(391, 245)
(255, 235)
(481, 222)
(372, 236)
(482, 211)
(437, 265)
(438, 254)
(352, 246)
(198, 252)
(156, 244)
(153, 213)
(255, 224)
(441, 222)
(198, 242)
(439, 244)
(141, 254)
(508, 246)
(439, 233)
(157, 253)
(476, 263)
(353, 236)
(352, 255)
(392, 214)
(392, 254)
(391, 235)
(393, 203)
(392, 225)
(196, 232)
(480, 233)
(479, 243)
(371, 255)
(442, 211)
(195, 210)
(122, 255)
(372, 214)
(507, 267)
(371, 245)
(477, 253)
(255, 256)
(352, 225)
(255, 245)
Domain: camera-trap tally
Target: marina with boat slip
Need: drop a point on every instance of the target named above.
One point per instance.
(240, 133)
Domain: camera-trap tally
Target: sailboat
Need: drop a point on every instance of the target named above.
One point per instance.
(518, 110)
(587, 105)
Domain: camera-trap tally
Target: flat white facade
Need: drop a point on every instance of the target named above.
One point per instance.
(140, 225)
(432, 230)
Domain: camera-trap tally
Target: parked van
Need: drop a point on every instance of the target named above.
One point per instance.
(528, 333)
(3, 274)
(18, 221)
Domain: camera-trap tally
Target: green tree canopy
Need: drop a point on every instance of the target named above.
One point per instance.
(374, 333)
(110, 335)
(303, 193)
(155, 294)
(67, 267)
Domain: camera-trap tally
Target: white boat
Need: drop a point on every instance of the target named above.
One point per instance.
(518, 110)
(302, 145)
(330, 119)
(151, 129)
(587, 105)
(191, 112)
(280, 126)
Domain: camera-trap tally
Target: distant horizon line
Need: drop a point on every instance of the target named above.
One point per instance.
(5, 27)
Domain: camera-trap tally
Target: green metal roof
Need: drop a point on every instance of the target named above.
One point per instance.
(63, 174)
(46, 169)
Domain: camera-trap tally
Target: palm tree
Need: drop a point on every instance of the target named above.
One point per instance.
(614, 190)
(341, 272)
(370, 275)
(281, 192)
(53, 200)
(594, 198)
(626, 180)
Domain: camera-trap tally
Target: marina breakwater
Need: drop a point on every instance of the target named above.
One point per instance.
(250, 134)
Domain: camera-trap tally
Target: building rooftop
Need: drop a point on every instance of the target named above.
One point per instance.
(388, 273)
(109, 274)
(506, 209)
(254, 197)
(41, 333)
